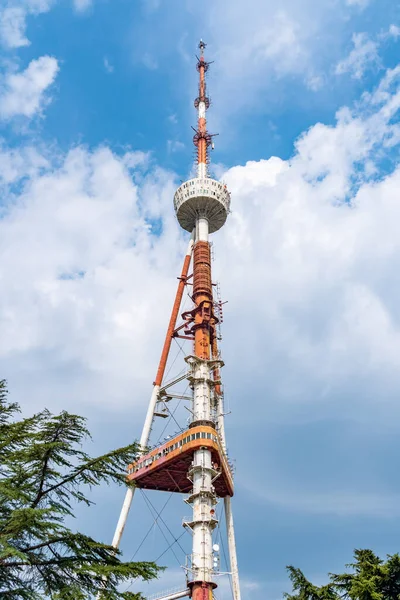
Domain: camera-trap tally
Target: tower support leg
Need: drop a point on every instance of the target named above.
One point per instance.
(119, 530)
(232, 548)
(156, 389)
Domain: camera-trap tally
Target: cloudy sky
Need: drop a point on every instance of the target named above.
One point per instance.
(96, 105)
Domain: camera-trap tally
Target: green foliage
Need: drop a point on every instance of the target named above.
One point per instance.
(43, 473)
(368, 578)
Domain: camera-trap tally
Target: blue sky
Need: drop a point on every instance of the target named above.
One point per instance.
(96, 108)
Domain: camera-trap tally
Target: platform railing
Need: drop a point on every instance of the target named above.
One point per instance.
(168, 594)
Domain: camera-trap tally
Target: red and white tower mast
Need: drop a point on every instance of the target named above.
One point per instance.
(194, 462)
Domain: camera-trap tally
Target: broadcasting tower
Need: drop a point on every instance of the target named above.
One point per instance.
(194, 462)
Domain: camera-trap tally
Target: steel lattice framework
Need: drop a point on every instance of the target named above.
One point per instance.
(195, 462)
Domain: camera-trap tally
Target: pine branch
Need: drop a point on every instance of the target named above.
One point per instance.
(44, 469)
(89, 465)
(43, 544)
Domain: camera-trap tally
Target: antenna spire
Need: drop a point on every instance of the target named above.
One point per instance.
(202, 139)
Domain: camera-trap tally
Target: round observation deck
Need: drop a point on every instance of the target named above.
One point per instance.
(202, 198)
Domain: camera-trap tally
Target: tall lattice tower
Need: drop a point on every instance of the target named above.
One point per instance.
(194, 461)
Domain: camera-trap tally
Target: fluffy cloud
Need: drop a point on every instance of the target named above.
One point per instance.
(394, 31)
(14, 15)
(82, 5)
(320, 233)
(362, 56)
(12, 27)
(258, 43)
(361, 3)
(90, 250)
(13, 20)
(79, 250)
(24, 93)
(320, 228)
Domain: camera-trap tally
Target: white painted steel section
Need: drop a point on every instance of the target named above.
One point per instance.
(201, 395)
(144, 438)
(202, 110)
(202, 229)
(202, 170)
(202, 167)
(232, 548)
(191, 243)
(202, 555)
(202, 197)
(175, 596)
(203, 502)
(228, 510)
(130, 492)
(221, 421)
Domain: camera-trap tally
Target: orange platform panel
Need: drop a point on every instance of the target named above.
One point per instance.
(166, 467)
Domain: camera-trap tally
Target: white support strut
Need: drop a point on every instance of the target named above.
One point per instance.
(144, 439)
(230, 530)
(131, 491)
(232, 548)
(175, 596)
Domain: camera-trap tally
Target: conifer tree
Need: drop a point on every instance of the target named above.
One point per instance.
(367, 578)
(44, 472)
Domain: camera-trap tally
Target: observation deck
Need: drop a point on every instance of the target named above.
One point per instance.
(202, 198)
(166, 468)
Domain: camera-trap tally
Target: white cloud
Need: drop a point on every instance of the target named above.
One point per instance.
(309, 252)
(78, 248)
(149, 61)
(12, 27)
(261, 41)
(14, 14)
(362, 57)
(361, 3)
(325, 252)
(107, 65)
(394, 31)
(331, 502)
(20, 163)
(82, 5)
(13, 20)
(314, 82)
(325, 262)
(175, 146)
(24, 93)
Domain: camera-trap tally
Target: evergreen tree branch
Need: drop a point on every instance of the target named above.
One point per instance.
(43, 472)
(46, 459)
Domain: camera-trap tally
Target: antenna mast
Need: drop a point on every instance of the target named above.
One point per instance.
(197, 456)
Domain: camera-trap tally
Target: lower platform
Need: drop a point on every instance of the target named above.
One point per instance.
(166, 468)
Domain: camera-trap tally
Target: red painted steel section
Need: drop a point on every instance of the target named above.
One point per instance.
(202, 591)
(216, 370)
(202, 138)
(204, 318)
(172, 321)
